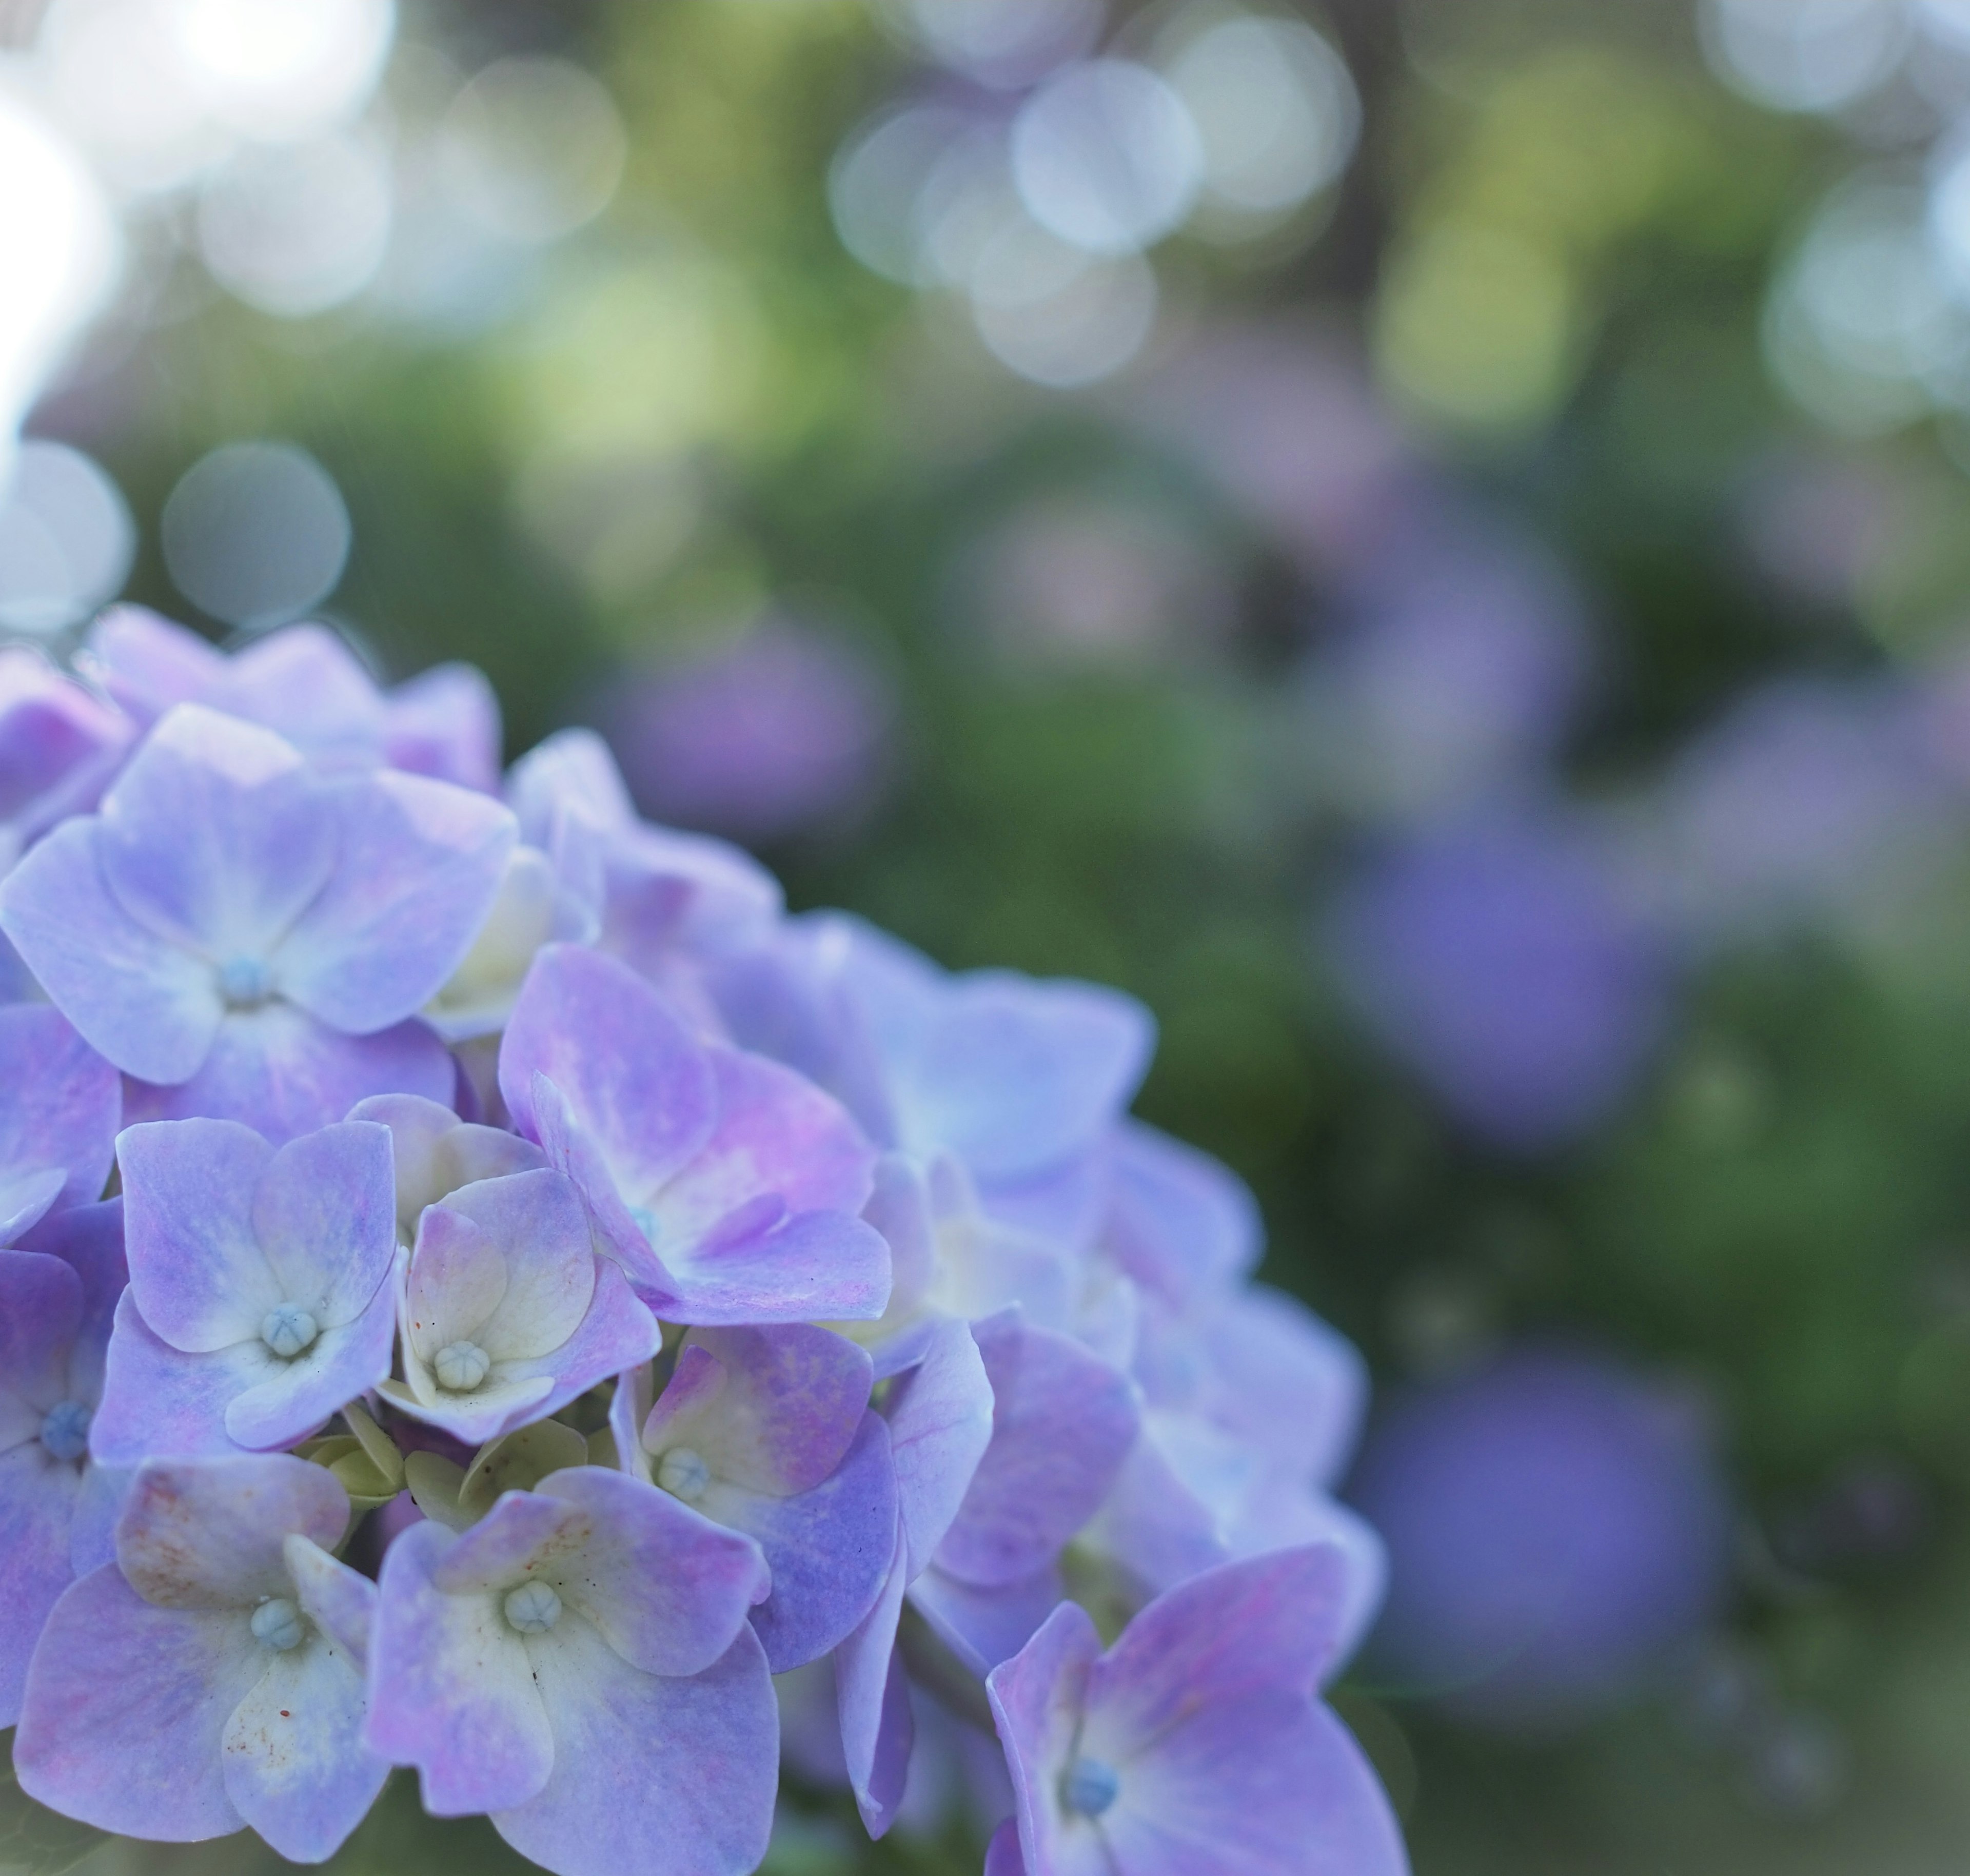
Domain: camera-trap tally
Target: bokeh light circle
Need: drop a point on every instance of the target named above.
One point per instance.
(534, 148)
(66, 539)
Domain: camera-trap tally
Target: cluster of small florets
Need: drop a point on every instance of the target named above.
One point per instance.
(565, 1325)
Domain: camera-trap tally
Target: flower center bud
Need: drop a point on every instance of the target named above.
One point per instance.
(461, 1366)
(244, 982)
(533, 1608)
(682, 1473)
(1089, 1787)
(65, 1432)
(277, 1624)
(287, 1329)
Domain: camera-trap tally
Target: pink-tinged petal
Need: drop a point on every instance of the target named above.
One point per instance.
(1281, 1516)
(873, 1702)
(288, 1398)
(58, 746)
(939, 1416)
(1036, 1701)
(457, 1277)
(452, 1690)
(665, 1776)
(197, 1271)
(667, 1589)
(776, 1133)
(216, 836)
(813, 1265)
(1182, 1224)
(1002, 1853)
(160, 1403)
(536, 1221)
(417, 866)
(445, 723)
(126, 1705)
(436, 1153)
(637, 1084)
(213, 1536)
(297, 1768)
(304, 682)
(324, 1213)
(151, 1007)
(37, 1501)
(828, 1548)
(340, 1601)
(791, 1400)
(60, 1103)
(147, 663)
(278, 1068)
(983, 1626)
(1063, 1421)
(576, 1157)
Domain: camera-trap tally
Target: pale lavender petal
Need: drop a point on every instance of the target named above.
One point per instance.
(636, 1083)
(286, 1400)
(197, 1269)
(1063, 1421)
(37, 1500)
(324, 1213)
(458, 1276)
(99, 1505)
(147, 663)
(577, 1157)
(41, 1314)
(150, 1007)
(452, 1690)
(445, 723)
(1286, 1381)
(304, 682)
(665, 1776)
(60, 1103)
(1037, 1700)
(666, 1588)
(617, 1333)
(939, 1416)
(983, 1626)
(24, 1200)
(125, 1707)
(436, 1153)
(899, 1207)
(89, 1239)
(1002, 1853)
(58, 746)
(812, 1265)
(536, 1221)
(1066, 1202)
(1181, 1223)
(342, 1602)
(214, 1536)
(1154, 1525)
(215, 836)
(418, 867)
(872, 1699)
(158, 1403)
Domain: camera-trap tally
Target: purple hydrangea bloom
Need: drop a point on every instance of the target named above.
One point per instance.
(250, 936)
(769, 1431)
(57, 1505)
(212, 1676)
(59, 746)
(60, 1104)
(579, 1666)
(261, 1295)
(725, 1185)
(1196, 1745)
(508, 1314)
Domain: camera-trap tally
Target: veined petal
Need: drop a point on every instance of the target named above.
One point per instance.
(324, 1212)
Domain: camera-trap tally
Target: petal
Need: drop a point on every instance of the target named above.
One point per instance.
(41, 1313)
(287, 1074)
(812, 1265)
(60, 1102)
(1181, 1222)
(436, 1153)
(147, 664)
(1002, 1853)
(37, 1500)
(445, 723)
(287, 1401)
(667, 1589)
(536, 1221)
(664, 1776)
(216, 836)
(213, 1536)
(297, 1767)
(324, 1213)
(150, 1007)
(197, 1270)
(636, 1083)
(1063, 1421)
(341, 1601)
(418, 866)
(577, 1157)
(89, 1239)
(498, 1405)
(125, 1708)
(1036, 1703)
(457, 1277)
(454, 1692)
(305, 683)
(158, 1403)
(939, 1416)
(24, 1200)
(983, 1626)
(873, 1701)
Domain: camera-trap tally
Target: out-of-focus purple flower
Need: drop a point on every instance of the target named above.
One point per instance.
(212, 1676)
(251, 937)
(57, 1506)
(725, 1185)
(1500, 958)
(60, 1105)
(769, 1431)
(260, 1296)
(785, 730)
(508, 1313)
(59, 746)
(579, 1664)
(433, 1152)
(1555, 1525)
(1815, 525)
(1196, 1745)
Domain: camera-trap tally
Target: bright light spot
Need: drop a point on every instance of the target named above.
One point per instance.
(1275, 110)
(66, 539)
(999, 44)
(297, 230)
(284, 70)
(534, 147)
(877, 184)
(256, 534)
(1804, 55)
(1950, 219)
(1055, 316)
(1106, 157)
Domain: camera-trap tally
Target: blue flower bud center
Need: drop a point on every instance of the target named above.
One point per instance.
(277, 1624)
(533, 1608)
(65, 1432)
(1091, 1786)
(682, 1473)
(461, 1367)
(244, 982)
(287, 1329)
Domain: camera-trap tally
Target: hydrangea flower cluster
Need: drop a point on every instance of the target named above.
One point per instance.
(561, 1324)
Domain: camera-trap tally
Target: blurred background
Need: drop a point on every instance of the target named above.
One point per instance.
(1428, 539)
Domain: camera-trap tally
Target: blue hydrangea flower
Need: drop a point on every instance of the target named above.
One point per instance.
(60, 1105)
